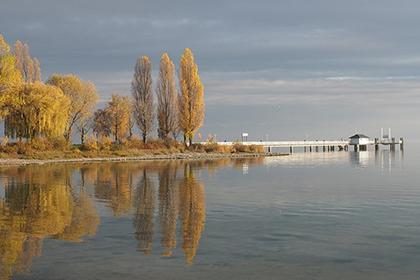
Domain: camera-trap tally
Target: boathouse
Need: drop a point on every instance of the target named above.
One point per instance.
(359, 141)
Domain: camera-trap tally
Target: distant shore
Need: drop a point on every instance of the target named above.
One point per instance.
(177, 156)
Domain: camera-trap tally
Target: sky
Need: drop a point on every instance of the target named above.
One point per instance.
(276, 69)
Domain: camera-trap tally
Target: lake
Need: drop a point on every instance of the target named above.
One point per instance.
(336, 215)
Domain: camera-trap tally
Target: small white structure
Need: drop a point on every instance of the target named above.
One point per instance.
(359, 139)
(244, 136)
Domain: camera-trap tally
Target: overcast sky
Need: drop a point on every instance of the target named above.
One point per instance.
(289, 69)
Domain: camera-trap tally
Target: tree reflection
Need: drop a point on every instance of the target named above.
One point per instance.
(55, 201)
(38, 204)
(179, 198)
(168, 208)
(113, 184)
(143, 219)
(193, 212)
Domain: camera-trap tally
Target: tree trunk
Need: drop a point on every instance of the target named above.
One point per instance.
(82, 136)
(144, 138)
(67, 135)
(190, 141)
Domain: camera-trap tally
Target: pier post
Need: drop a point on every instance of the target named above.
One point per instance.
(323, 149)
(291, 149)
(401, 144)
(316, 149)
(392, 146)
(376, 144)
(310, 149)
(269, 149)
(304, 149)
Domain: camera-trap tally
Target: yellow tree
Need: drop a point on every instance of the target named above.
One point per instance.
(83, 98)
(141, 90)
(167, 98)
(28, 66)
(37, 110)
(10, 77)
(191, 98)
(119, 112)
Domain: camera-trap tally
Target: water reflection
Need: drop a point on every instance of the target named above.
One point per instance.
(143, 219)
(39, 203)
(166, 199)
(384, 159)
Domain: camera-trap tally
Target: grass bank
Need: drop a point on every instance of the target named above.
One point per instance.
(41, 150)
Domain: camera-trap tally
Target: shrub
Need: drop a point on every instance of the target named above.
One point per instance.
(240, 148)
(134, 143)
(215, 148)
(90, 144)
(105, 143)
(4, 141)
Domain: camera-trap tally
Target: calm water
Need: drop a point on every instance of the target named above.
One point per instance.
(341, 215)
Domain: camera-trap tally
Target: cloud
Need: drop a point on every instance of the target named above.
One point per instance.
(280, 59)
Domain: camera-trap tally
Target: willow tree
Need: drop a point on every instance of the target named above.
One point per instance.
(38, 110)
(83, 98)
(191, 97)
(10, 77)
(141, 90)
(167, 96)
(119, 112)
(28, 66)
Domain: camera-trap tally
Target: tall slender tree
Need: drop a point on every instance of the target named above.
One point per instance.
(167, 96)
(191, 98)
(141, 90)
(28, 66)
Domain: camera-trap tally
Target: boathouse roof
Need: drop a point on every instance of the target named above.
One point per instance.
(358, 136)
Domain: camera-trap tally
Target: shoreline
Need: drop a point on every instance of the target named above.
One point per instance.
(178, 156)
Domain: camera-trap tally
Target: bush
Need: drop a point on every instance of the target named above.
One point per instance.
(240, 148)
(133, 143)
(104, 143)
(90, 144)
(198, 148)
(215, 148)
(4, 141)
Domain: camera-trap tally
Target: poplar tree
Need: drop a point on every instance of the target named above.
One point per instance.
(29, 67)
(167, 97)
(141, 90)
(191, 97)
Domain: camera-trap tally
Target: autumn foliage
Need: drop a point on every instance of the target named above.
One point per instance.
(65, 106)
